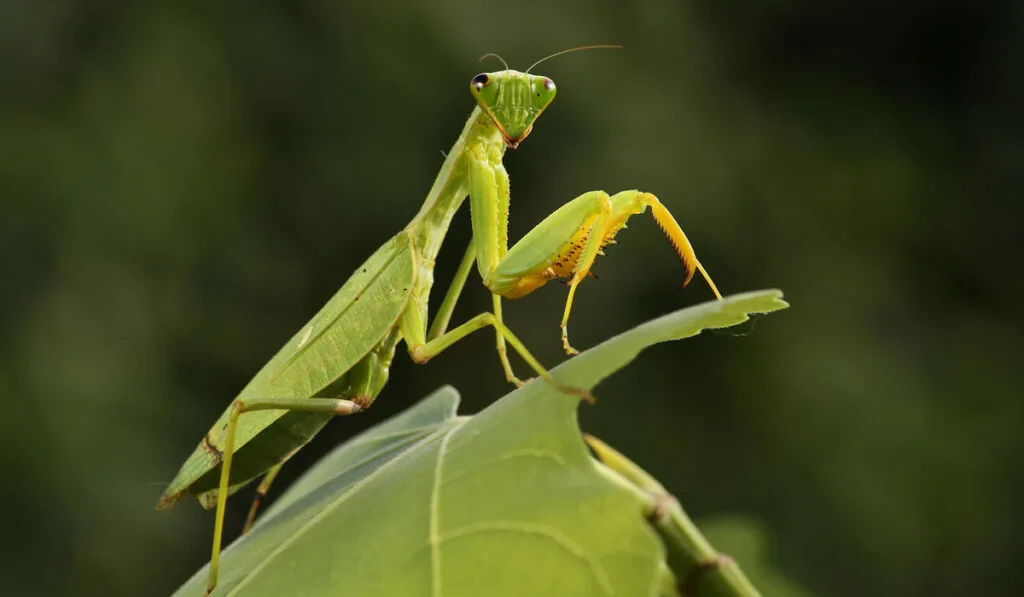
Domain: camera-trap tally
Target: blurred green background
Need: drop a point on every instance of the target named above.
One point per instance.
(185, 183)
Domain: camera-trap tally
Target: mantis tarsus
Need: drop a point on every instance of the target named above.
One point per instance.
(339, 361)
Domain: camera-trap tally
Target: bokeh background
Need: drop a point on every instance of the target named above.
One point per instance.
(184, 183)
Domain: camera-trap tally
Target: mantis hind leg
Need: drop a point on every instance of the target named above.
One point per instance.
(261, 493)
(362, 384)
(333, 406)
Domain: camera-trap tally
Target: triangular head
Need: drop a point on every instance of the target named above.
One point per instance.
(513, 100)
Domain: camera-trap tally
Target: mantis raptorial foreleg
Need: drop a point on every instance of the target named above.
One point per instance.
(585, 225)
(564, 245)
(503, 195)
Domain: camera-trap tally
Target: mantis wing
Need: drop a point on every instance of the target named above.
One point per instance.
(345, 330)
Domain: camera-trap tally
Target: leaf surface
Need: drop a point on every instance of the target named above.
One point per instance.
(504, 503)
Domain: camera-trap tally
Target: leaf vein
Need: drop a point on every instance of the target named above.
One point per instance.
(523, 453)
(435, 515)
(562, 540)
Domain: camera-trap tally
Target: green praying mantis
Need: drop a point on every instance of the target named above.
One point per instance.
(338, 363)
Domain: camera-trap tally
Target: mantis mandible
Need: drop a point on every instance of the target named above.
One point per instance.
(338, 362)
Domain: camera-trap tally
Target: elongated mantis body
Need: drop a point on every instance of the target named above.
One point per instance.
(339, 361)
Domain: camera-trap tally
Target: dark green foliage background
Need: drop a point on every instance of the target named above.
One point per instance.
(185, 183)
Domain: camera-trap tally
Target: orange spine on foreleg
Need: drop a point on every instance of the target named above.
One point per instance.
(680, 243)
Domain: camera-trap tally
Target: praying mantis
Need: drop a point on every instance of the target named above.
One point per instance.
(338, 363)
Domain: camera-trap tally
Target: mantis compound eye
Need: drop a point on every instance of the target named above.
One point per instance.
(549, 84)
(480, 81)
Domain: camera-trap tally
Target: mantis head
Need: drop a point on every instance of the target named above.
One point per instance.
(513, 100)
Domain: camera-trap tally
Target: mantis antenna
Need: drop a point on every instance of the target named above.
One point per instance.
(493, 55)
(596, 47)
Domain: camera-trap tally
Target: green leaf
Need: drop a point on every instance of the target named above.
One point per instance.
(507, 502)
